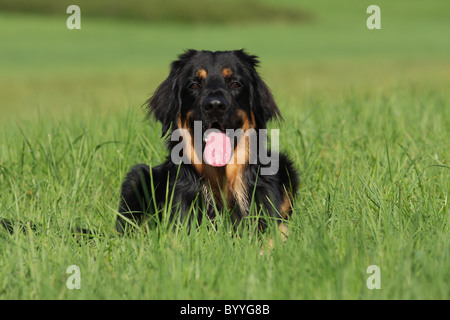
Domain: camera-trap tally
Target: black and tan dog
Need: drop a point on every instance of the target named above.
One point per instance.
(221, 91)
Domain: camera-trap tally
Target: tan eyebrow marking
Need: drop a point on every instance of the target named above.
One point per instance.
(227, 72)
(201, 73)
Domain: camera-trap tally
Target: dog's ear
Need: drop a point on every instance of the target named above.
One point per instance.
(261, 99)
(165, 103)
(263, 103)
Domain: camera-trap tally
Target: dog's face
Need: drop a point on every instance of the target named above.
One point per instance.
(215, 89)
(221, 89)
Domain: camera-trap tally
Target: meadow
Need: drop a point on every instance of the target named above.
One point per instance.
(366, 121)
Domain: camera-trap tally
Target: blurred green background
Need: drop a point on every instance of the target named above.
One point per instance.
(124, 48)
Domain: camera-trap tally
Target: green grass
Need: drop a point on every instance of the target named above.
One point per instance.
(367, 122)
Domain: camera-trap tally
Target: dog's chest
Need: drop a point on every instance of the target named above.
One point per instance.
(227, 196)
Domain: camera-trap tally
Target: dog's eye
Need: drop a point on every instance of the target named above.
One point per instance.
(235, 85)
(194, 86)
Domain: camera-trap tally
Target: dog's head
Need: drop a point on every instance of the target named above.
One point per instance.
(221, 89)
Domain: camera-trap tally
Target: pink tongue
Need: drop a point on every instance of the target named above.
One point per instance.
(217, 150)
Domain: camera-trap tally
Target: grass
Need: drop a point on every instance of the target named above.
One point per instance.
(367, 124)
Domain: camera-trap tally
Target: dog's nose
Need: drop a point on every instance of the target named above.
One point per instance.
(215, 106)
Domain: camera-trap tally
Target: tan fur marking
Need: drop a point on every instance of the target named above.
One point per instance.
(235, 169)
(283, 228)
(201, 73)
(227, 72)
(285, 208)
(193, 158)
(283, 233)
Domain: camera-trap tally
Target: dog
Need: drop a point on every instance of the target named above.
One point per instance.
(211, 91)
